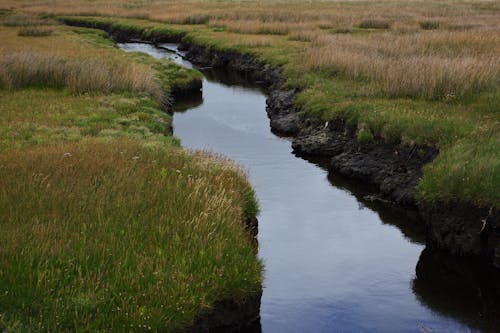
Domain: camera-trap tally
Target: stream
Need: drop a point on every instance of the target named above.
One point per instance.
(334, 261)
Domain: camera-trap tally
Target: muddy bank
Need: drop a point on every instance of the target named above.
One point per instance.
(229, 316)
(393, 169)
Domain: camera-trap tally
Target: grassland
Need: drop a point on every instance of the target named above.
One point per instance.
(400, 72)
(107, 225)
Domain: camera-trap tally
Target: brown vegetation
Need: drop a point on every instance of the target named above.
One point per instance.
(430, 65)
(29, 69)
(436, 50)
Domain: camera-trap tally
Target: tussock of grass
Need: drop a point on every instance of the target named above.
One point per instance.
(11, 19)
(253, 27)
(35, 32)
(430, 25)
(118, 236)
(196, 19)
(305, 35)
(374, 24)
(28, 69)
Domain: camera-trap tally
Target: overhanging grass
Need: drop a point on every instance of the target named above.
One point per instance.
(119, 236)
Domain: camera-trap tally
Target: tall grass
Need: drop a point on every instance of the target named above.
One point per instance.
(120, 236)
(253, 26)
(431, 65)
(27, 69)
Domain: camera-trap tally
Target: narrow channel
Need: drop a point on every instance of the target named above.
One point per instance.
(334, 262)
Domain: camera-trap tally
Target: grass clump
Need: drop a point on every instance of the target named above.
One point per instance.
(197, 19)
(364, 135)
(429, 25)
(35, 32)
(12, 19)
(374, 24)
(118, 236)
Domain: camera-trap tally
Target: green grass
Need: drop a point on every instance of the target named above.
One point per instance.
(41, 116)
(114, 236)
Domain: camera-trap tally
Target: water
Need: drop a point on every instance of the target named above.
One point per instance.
(334, 263)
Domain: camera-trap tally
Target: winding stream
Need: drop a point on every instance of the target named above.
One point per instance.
(334, 262)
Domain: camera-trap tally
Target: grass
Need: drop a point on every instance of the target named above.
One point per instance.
(42, 116)
(436, 88)
(431, 65)
(374, 24)
(107, 225)
(35, 32)
(29, 69)
(119, 236)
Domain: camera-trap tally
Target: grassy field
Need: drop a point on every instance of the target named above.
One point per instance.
(410, 73)
(107, 225)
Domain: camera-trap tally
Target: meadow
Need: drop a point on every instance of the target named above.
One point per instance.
(107, 224)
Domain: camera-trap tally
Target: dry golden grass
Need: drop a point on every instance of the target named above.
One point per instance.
(438, 49)
(430, 65)
(63, 58)
(253, 27)
(305, 35)
(28, 69)
(35, 32)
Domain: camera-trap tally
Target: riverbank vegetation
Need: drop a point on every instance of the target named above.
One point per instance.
(107, 224)
(410, 73)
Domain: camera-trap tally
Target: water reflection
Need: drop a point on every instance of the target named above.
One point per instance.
(184, 103)
(461, 288)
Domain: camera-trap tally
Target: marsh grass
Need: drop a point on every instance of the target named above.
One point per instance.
(429, 25)
(29, 69)
(432, 65)
(12, 19)
(118, 235)
(35, 32)
(47, 116)
(253, 26)
(374, 24)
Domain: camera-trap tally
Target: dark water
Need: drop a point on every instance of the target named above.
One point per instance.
(334, 261)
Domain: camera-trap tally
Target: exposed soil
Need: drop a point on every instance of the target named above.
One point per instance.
(229, 317)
